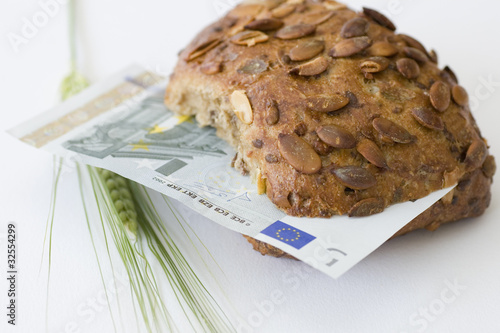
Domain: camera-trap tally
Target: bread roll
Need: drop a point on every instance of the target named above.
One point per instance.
(333, 112)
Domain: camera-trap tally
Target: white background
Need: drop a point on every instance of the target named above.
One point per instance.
(382, 294)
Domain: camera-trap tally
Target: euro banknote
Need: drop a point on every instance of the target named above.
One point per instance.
(123, 125)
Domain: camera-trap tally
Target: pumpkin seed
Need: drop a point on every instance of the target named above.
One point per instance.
(246, 10)
(440, 96)
(390, 130)
(296, 31)
(433, 56)
(408, 68)
(412, 42)
(476, 154)
(307, 50)
(354, 177)
(367, 207)
(327, 104)
(372, 153)
(336, 137)
(415, 54)
(374, 65)
(283, 10)
(489, 167)
(379, 18)
(299, 154)
(349, 47)
(333, 5)
(460, 95)
(311, 68)
(253, 66)
(428, 118)
(450, 76)
(249, 38)
(383, 49)
(355, 27)
(266, 24)
(202, 49)
(317, 17)
(242, 107)
(239, 26)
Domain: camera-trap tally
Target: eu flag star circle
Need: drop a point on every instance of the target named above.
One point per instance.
(288, 234)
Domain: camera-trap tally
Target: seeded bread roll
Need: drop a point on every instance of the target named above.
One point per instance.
(332, 112)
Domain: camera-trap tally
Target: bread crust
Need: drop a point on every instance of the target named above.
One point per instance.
(352, 71)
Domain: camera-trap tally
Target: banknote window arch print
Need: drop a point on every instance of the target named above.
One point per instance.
(137, 133)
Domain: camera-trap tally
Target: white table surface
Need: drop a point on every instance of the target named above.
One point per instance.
(388, 292)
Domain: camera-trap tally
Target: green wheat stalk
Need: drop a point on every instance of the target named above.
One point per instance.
(75, 82)
(117, 215)
(188, 287)
(49, 227)
(129, 215)
(125, 209)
